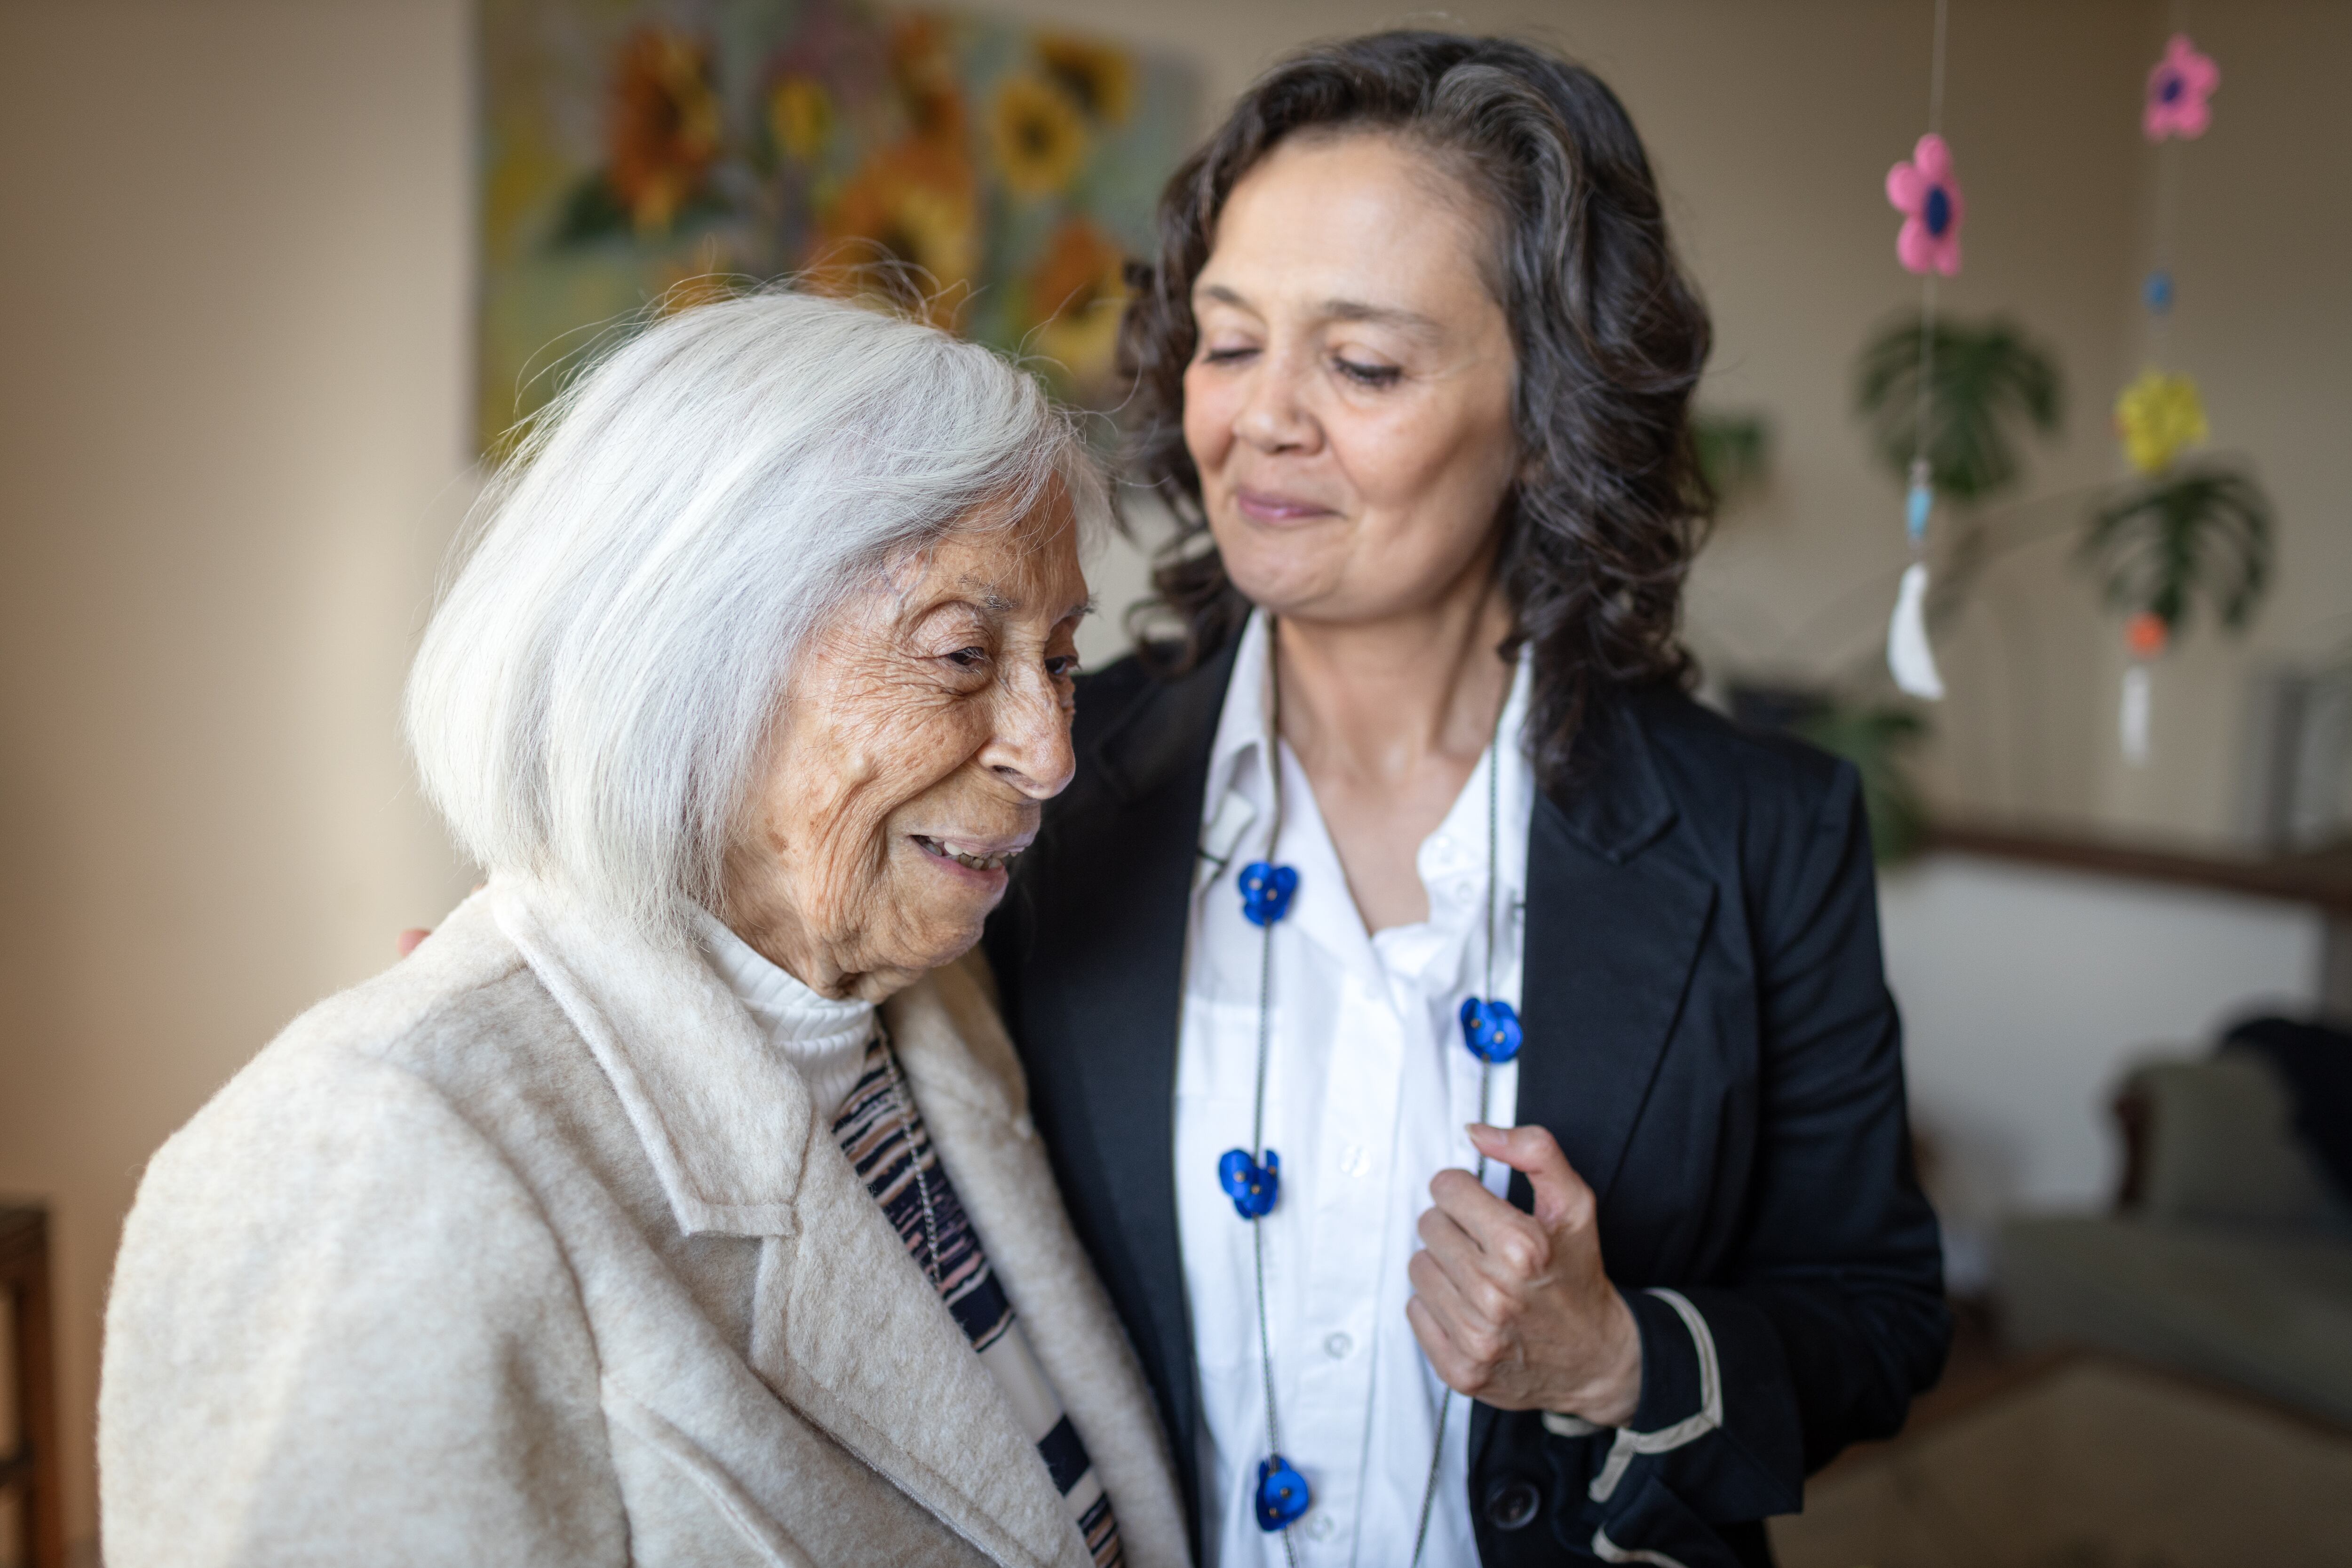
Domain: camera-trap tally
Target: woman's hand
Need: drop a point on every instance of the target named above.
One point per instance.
(1513, 1308)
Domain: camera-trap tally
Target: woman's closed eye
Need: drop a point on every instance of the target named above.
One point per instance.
(969, 657)
(1375, 375)
(1232, 355)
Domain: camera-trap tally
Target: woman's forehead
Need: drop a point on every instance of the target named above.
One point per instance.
(1007, 569)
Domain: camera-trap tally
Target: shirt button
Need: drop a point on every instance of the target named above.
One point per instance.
(1319, 1527)
(1338, 1346)
(1353, 1160)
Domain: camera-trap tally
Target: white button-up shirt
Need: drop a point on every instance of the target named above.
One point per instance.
(1369, 1090)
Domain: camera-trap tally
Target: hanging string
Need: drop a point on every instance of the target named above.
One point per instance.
(1922, 487)
(1909, 656)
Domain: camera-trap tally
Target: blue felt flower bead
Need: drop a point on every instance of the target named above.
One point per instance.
(1282, 1494)
(1491, 1029)
(1265, 891)
(1253, 1187)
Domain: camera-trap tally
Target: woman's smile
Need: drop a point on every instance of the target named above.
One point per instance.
(1274, 508)
(984, 858)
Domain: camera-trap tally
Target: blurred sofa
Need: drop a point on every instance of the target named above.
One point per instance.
(2229, 1253)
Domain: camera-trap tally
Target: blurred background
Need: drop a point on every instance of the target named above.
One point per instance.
(274, 274)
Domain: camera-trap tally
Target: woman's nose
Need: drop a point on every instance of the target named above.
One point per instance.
(1274, 417)
(1030, 750)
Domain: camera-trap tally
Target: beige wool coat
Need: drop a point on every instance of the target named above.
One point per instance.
(531, 1250)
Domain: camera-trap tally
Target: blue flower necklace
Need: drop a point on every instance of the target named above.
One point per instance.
(1252, 1177)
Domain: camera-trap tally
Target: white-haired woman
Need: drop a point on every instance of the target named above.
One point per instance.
(617, 1225)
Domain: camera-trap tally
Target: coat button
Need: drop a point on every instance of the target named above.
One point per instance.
(1513, 1504)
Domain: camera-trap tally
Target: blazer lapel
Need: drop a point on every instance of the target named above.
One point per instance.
(1613, 925)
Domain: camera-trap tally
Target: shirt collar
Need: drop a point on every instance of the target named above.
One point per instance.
(1239, 789)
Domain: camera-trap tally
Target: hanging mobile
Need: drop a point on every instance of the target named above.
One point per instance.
(1252, 1177)
(1925, 190)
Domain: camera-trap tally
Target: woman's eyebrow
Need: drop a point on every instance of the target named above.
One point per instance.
(1383, 316)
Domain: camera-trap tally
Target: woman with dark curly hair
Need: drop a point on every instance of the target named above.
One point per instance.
(1468, 1060)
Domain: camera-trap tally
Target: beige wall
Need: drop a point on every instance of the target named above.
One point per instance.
(233, 355)
(233, 322)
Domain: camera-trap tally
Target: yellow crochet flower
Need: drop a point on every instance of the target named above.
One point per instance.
(2159, 416)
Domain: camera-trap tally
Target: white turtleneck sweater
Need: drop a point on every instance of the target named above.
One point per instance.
(824, 1039)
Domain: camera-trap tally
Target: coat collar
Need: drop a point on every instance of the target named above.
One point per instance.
(724, 1119)
(845, 1327)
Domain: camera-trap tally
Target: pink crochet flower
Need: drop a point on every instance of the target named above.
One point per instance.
(2177, 87)
(1923, 190)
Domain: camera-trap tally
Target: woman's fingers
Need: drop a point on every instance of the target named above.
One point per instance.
(1561, 1196)
(1514, 1247)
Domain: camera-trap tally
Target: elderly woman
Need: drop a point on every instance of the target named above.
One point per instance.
(677, 1201)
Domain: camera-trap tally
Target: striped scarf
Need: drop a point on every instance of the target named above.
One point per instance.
(883, 1134)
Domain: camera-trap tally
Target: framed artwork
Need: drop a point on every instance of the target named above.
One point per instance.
(641, 154)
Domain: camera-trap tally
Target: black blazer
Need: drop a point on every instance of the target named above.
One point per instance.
(1709, 1036)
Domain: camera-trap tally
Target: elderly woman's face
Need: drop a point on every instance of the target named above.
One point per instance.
(1349, 404)
(924, 728)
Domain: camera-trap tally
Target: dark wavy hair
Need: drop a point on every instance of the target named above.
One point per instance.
(1600, 527)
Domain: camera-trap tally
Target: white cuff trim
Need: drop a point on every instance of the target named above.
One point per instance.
(1560, 1426)
(1609, 1551)
(1630, 1444)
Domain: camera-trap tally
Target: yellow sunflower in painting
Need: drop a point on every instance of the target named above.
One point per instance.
(915, 204)
(1099, 78)
(800, 117)
(1037, 134)
(1077, 292)
(663, 129)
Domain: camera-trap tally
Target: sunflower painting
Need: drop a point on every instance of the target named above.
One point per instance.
(651, 154)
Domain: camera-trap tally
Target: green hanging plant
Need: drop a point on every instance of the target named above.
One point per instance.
(2201, 531)
(1733, 452)
(1988, 382)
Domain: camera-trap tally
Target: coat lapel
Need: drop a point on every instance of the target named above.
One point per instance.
(845, 1326)
(961, 1066)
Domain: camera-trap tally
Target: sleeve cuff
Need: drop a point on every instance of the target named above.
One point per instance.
(1682, 1388)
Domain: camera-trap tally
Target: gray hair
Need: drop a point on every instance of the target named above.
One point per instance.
(593, 696)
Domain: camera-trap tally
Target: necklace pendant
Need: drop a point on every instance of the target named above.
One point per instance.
(1282, 1494)
(1266, 889)
(1491, 1029)
(1253, 1187)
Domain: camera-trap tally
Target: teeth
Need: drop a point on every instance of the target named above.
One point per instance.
(963, 857)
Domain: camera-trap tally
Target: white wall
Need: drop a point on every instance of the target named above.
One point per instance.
(2026, 993)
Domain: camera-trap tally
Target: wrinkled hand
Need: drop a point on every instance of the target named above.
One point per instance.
(1514, 1309)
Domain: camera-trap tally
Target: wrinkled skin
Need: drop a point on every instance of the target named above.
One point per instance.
(931, 712)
